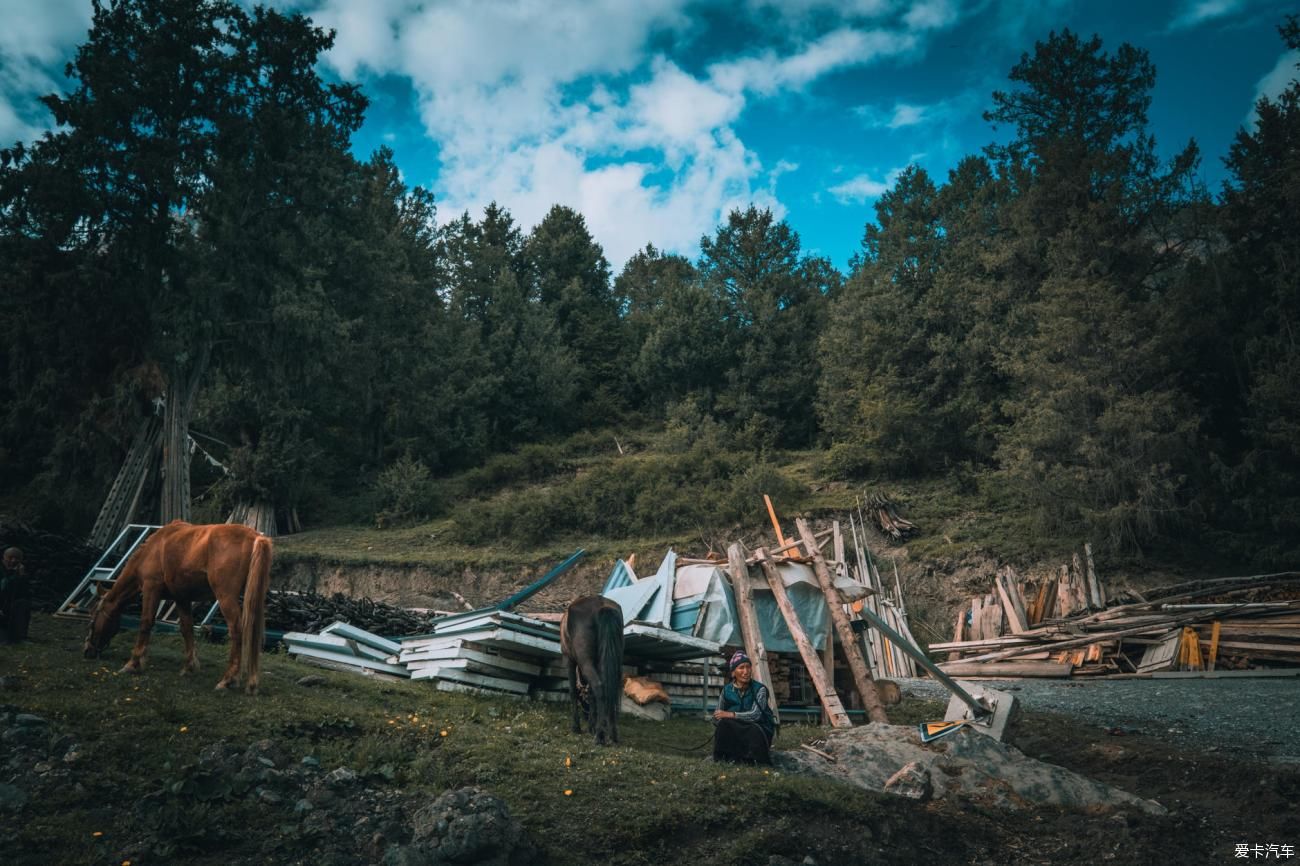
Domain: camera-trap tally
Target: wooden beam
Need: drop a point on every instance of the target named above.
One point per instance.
(1007, 669)
(749, 629)
(1214, 646)
(857, 665)
(825, 689)
(776, 524)
(1014, 616)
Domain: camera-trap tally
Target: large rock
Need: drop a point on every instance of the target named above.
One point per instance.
(963, 765)
(465, 826)
(653, 711)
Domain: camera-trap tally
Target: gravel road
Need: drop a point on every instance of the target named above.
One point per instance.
(1257, 716)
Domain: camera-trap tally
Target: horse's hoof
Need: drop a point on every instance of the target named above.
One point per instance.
(222, 686)
(129, 669)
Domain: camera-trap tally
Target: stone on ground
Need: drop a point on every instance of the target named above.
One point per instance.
(965, 765)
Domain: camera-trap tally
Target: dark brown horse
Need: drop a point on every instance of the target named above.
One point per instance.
(185, 563)
(591, 638)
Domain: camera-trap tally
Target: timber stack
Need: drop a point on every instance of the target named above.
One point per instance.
(1067, 624)
(884, 515)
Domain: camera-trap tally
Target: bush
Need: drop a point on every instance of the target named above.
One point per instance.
(700, 490)
(404, 492)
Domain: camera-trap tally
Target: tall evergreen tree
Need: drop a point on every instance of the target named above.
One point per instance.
(1261, 210)
(674, 331)
(174, 102)
(773, 302)
(572, 281)
(531, 382)
(1097, 433)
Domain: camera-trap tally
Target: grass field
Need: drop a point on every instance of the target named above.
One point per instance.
(142, 737)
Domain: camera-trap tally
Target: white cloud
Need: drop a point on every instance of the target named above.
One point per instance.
(863, 188)
(35, 41)
(569, 102)
(1278, 79)
(1197, 12)
(768, 73)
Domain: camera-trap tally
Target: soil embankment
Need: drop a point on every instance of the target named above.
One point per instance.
(450, 586)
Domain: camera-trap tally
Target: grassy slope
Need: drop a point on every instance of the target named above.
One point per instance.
(657, 804)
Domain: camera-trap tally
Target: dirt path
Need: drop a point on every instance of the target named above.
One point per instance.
(1256, 717)
(1220, 755)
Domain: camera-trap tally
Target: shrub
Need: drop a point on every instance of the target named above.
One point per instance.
(404, 492)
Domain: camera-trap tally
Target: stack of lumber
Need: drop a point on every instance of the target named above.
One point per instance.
(345, 647)
(885, 516)
(1238, 623)
(886, 601)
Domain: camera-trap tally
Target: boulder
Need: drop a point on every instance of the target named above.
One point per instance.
(465, 826)
(964, 765)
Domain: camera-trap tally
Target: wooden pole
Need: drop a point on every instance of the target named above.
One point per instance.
(1214, 646)
(825, 689)
(861, 676)
(749, 629)
(776, 524)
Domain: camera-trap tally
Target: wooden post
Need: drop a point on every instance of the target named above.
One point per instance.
(828, 654)
(749, 629)
(1214, 646)
(861, 676)
(825, 689)
(958, 634)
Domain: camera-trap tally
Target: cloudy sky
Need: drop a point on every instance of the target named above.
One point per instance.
(653, 118)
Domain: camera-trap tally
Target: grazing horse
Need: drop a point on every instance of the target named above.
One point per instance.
(183, 563)
(591, 638)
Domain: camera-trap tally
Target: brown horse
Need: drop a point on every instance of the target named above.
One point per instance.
(591, 638)
(184, 563)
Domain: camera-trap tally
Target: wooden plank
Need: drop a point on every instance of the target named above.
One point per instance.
(1014, 617)
(825, 689)
(1214, 646)
(1092, 575)
(1161, 655)
(848, 642)
(1011, 583)
(1007, 669)
(750, 633)
(1214, 675)
(776, 525)
(958, 632)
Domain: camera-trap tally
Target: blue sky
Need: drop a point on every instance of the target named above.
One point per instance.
(655, 117)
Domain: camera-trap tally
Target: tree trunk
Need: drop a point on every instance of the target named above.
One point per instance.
(182, 388)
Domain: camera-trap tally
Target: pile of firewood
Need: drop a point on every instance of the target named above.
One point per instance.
(311, 612)
(1063, 627)
(884, 515)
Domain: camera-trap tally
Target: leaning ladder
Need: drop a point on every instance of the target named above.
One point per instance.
(106, 570)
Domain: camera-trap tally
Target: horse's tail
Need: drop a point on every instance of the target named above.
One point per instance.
(252, 623)
(609, 641)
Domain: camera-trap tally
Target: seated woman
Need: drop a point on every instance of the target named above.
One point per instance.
(745, 724)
